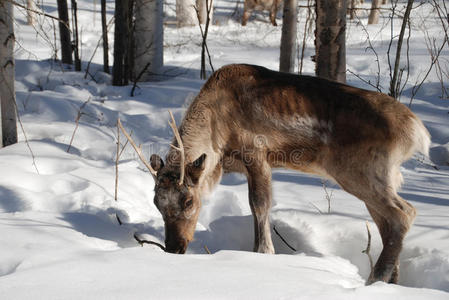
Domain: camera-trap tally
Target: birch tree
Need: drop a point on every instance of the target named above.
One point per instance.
(7, 91)
(148, 38)
(185, 13)
(330, 41)
(31, 18)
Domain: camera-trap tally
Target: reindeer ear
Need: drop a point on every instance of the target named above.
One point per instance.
(194, 169)
(156, 162)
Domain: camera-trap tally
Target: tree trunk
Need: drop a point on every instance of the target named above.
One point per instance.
(104, 27)
(288, 38)
(7, 91)
(30, 15)
(148, 34)
(352, 9)
(129, 59)
(330, 39)
(64, 32)
(76, 36)
(119, 76)
(202, 9)
(185, 13)
(374, 13)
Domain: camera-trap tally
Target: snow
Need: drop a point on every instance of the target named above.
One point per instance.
(60, 238)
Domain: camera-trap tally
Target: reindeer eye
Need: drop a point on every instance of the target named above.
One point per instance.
(188, 203)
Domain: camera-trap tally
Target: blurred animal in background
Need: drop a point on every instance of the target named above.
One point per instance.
(270, 5)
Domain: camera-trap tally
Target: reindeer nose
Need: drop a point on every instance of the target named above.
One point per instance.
(177, 246)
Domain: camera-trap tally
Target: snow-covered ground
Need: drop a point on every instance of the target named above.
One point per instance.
(60, 238)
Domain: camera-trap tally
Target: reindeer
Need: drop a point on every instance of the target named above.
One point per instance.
(271, 5)
(249, 119)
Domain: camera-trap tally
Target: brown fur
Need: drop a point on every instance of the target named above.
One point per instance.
(249, 119)
(270, 5)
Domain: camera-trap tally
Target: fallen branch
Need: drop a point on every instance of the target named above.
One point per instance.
(280, 236)
(141, 242)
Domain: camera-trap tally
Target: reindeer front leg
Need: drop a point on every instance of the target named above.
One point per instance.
(259, 186)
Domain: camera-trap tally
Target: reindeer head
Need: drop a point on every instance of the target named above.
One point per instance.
(178, 202)
(177, 194)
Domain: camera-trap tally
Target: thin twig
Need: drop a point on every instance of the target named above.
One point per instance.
(96, 47)
(206, 249)
(303, 48)
(317, 208)
(117, 158)
(137, 149)
(118, 219)
(138, 77)
(27, 142)
(362, 79)
(417, 88)
(39, 12)
(328, 196)
(371, 47)
(368, 248)
(141, 242)
(78, 117)
(282, 238)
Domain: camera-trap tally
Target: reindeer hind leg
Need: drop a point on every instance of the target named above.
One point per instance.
(376, 185)
(393, 220)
